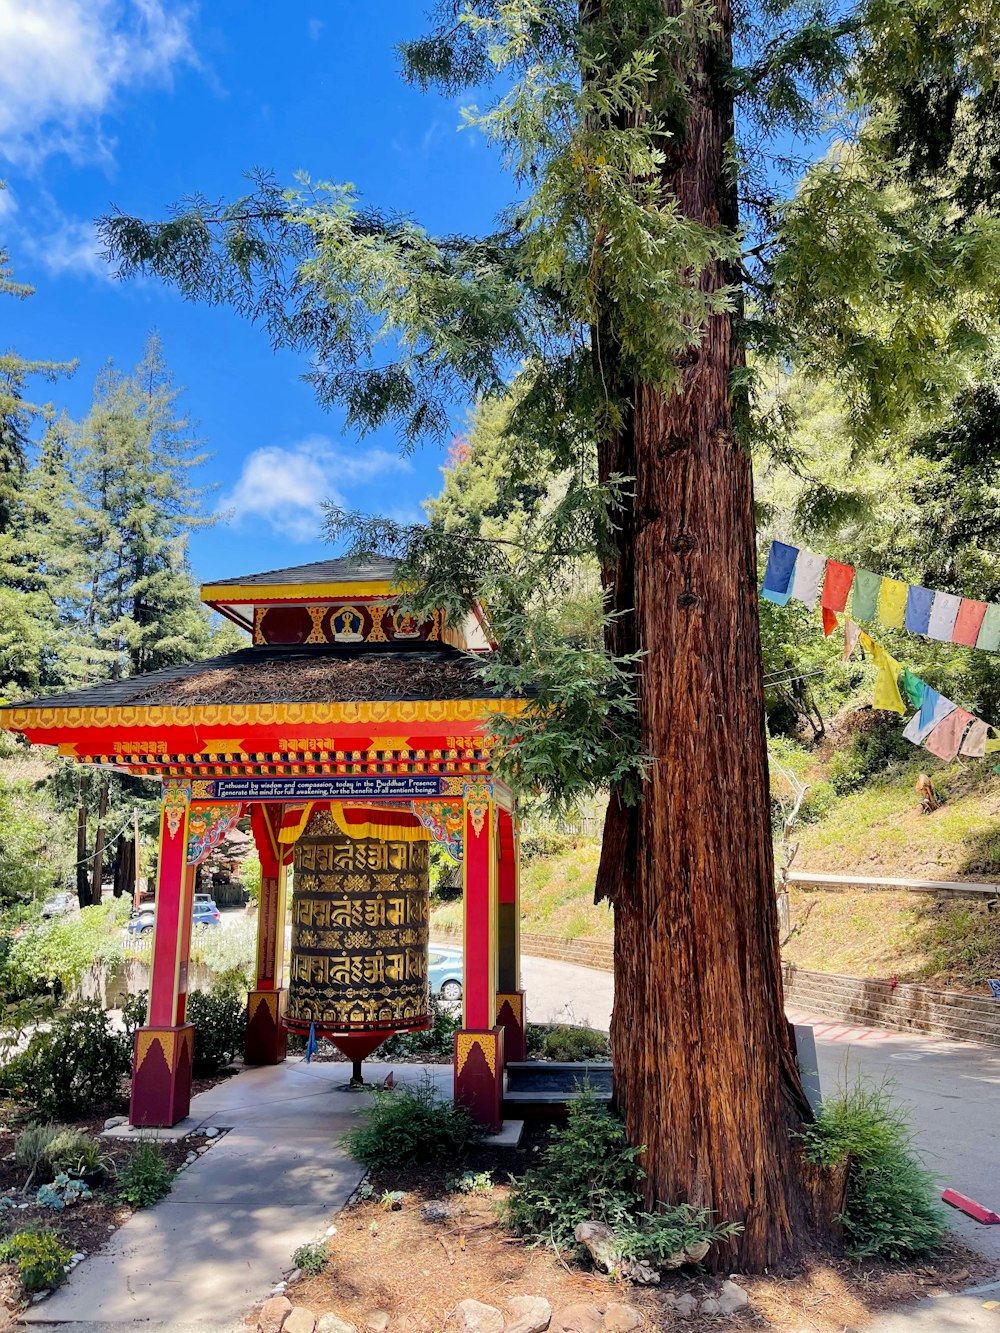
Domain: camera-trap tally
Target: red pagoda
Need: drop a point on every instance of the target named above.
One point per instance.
(352, 736)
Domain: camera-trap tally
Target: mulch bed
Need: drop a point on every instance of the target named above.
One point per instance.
(417, 1271)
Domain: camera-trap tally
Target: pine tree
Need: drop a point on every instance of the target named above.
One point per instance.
(632, 290)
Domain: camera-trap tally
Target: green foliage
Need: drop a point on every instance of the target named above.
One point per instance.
(146, 1178)
(311, 1258)
(76, 1153)
(71, 1069)
(891, 1211)
(64, 948)
(250, 877)
(872, 748)
(472, 1182)
(31, 1148)
(39, 1256)
(560, 1041)
(229, 954)
(63, 1192)
(412, 1126)
(435, 1042)
(220, 1024)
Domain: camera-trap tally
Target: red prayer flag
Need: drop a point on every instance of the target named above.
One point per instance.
(830, 621)
(837, 585)
(968, 622)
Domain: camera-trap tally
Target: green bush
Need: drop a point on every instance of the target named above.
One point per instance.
(412, 1127)
(560, 1041)
(31, 1150)
(872, 749)
(220, 1024)
(891, 1210)
(76, 1153)
(146, 1178)
(589, 1172)
(435, 1041)
(39, 1256)
(311, 1258)
(62, 949)
(71, 1069)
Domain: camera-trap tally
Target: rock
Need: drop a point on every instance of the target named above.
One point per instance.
(113, 1121)
(474, 1317)
(79, 1257)
(638, 1272)
(331, 1231)
(294, 1275)
(377, 1321)
(676, 1260)
(732, 1297)
(686, 1304)
(300, 1320)
(710, 1305)
(600, 1241)
(437, 1210)
(529, 1314)
(621, 1319)
(695, 1253)
(273, 1314)
(331, 1323)
(580, 1317)
(211, 1132)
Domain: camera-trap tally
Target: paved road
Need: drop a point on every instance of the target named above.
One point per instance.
(951, 1089)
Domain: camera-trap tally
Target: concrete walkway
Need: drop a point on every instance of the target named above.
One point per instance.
(220, 1240)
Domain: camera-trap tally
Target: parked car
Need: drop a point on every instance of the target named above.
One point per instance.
(445, 972)
(57, 904)
(204, 915)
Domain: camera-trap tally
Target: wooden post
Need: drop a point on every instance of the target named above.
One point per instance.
(266, 1039)
(161, 1064)
(510, 1013)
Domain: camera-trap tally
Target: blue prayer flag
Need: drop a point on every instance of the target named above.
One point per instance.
(918, 609)
(780, 572)
(312, 1045)
(995, 988)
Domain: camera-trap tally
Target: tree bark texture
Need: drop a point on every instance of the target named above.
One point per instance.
(97, 874)
(82, 872)
(703, 1067)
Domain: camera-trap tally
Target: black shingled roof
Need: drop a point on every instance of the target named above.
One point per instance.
(320, 571)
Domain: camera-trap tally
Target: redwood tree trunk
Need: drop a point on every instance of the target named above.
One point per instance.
(97, 874)
(703, 1067)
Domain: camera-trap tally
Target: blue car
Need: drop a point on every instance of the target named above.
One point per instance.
(445, 972)
(204, 915)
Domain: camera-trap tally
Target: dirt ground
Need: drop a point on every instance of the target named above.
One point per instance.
(417, 1271)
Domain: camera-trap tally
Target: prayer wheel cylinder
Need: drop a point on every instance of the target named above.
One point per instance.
(360, 921)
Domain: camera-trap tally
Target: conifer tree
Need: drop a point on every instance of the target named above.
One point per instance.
(664, 230)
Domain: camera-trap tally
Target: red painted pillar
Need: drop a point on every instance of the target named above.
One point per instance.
(510, 997)
(266, 1038)
(164, 1047)
(478, 1052)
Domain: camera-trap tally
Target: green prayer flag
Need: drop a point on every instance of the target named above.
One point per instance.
(989, 630)
(913, 687)
(864, 596)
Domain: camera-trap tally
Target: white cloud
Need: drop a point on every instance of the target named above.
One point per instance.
(285, 488)
(316, 26)
(70, 247)
(8, 204)
(64, 62)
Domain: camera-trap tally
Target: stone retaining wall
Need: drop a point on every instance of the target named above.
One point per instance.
(583, 952)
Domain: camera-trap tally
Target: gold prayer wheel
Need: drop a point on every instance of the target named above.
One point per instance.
(360, 919)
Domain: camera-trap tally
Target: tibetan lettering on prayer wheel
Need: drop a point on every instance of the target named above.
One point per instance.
(359, 934)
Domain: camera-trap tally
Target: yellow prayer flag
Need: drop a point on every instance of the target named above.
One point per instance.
(887, 693)
(892, 603)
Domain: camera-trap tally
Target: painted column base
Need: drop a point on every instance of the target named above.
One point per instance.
(478, 1064)
(266, 1039)
(510, 1016)
(161, 1075)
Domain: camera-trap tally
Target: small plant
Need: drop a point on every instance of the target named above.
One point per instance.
(890, 1210)
(560, 1041)
(63, 1192)
(392, 1200)
(471, 1182)
(147, 1177)
(40, 1258)
(412, 1127)
(220, 1024)
(75, 1066)
(77, 1153)
(311, 1258)
(31, 1151)
(436, 1041)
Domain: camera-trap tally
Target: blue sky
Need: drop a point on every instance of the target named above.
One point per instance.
(133, 103)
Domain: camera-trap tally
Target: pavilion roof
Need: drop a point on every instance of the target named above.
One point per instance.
(342, 570)
(304, 674)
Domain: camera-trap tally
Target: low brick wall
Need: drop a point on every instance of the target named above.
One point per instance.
(583, 952)
(904, 1008)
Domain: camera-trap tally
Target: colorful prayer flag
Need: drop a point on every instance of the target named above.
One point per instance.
(779, 573)
(918, 609)
(864, 595)
(852, 633)
(837, 585)
(944, 613)
(887, 693)
(944, 739)
(968, 622)
(974, 745)
(892, 602)
(913, 688)
(830, 621)
(312, 1045)
(808, 572)
(989, 632)
(934, 708)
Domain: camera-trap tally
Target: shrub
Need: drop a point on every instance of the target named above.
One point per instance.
(560, 1041)
(62, 949)
(471, 1182)
(311, 1258)
(230, 954)
(74, 1067)
(890, 1210)
(589, 1172)
(40, 1258)
(437, 1040)
(31, 1150)
(147, 1177)
(76, 1153)
(874, 746)
(220, 1025)
(412, 1127)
